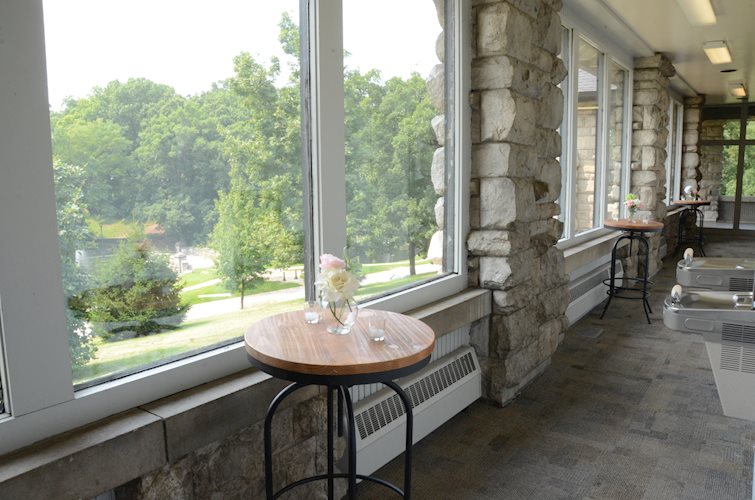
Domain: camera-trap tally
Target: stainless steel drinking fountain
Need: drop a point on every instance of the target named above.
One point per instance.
(726, 320)
(715, 273)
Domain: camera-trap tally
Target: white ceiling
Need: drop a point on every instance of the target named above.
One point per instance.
(647, 26)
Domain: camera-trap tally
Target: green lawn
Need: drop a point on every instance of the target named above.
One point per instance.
(387, 266)
(193, 296)
(198, 276)
(126, 356)
(142, 352)
(117, 229)
(378, 288)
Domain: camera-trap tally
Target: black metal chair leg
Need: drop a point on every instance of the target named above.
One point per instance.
(409, 437)
(269, 493)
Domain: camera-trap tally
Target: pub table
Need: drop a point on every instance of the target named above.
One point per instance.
(691, 211)
(286, 347)
(631, 287)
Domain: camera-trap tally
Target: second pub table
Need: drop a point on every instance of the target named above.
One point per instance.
(286, 347)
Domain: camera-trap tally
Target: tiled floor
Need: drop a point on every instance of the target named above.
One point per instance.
(631, 414)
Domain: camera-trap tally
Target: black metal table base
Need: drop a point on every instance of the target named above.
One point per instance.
(344, 402)
(630, 292)
(698, 217)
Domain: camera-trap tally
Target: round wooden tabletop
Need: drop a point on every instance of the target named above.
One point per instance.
(692, 203)
(287, 347)
(633, 225)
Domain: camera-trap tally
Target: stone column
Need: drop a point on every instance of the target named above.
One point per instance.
(650, 119)
(516, 180)
(710, 167)
(692, 154)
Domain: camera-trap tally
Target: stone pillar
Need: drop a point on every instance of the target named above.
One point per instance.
(650, 119)
(692, 154)
(516, 180)
(710, 167)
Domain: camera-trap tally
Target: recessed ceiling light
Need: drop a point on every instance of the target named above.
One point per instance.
(737, 89)
(717, 52)
(698, 12)
(730, 70)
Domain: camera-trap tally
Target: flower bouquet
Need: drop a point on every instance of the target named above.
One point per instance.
(337, 286)
(632, 202)
(691, 193)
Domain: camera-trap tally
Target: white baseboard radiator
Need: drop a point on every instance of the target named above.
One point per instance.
(586, 288)
(437, 393)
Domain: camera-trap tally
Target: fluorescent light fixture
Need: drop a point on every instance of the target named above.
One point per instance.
(717, 52)
(698, 12)
(737, 89)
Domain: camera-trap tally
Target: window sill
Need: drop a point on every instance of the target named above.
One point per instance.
(110, 452)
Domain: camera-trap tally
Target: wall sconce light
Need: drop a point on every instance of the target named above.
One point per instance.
(717, 52)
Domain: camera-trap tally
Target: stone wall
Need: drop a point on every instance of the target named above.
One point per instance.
(711, 166)
(650, 119)
(516, 180)
(692, 158)
(584, 214)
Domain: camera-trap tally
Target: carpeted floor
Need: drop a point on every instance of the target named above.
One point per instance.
(626, 410)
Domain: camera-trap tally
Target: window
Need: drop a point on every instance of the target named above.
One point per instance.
(154, 172)
(594, 135)
(674, 148)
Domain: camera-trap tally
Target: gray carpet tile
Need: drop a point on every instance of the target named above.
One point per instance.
(625, 411)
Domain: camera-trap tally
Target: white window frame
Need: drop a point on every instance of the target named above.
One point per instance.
(39, 390)
(609, 51)
(674, 161)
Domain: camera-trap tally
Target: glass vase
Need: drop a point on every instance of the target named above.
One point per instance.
(340, 315)
(632, 214)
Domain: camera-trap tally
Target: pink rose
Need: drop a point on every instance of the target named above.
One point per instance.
(328, 261)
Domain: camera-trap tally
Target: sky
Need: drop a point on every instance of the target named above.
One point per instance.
(188, 45)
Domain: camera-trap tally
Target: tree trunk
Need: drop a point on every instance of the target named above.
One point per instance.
(284, 275)
(412, 263)
(243, 287)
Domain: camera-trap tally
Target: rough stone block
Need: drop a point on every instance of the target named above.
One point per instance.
(438, 124)
(690, 160)
(438, 171)
(474, 106)
(645, 138)
(551, 108)
(496, 159)
(548, 29)
(507, 116)
(659, 61)
(690, 137)
(504, 200)
(512, 332)
(440, 47)
(548, 143)
(646, 97)
(440, 212)
(548, 186)
(519, 364)
(691, 115)
(436, 87)
(558, 71)
(490, 243)
(502, 273)
(494, 72)
(502, 29)
(552, 268)
(513, 299)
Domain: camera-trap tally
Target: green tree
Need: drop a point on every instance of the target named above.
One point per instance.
(73, 236)
(239, 236)
(136, 294)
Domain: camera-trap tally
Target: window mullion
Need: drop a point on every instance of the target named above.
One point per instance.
(328, 150)
(37, 360)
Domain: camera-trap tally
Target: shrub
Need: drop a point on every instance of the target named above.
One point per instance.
(137, 293)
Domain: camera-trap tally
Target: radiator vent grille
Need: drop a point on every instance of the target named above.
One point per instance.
(740, 284)
(593, 280)
(738, 347)
(378, 416)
